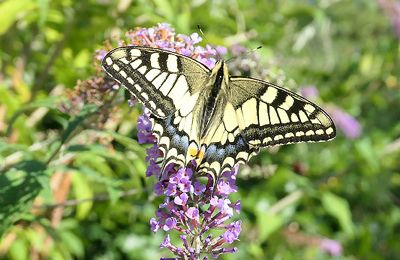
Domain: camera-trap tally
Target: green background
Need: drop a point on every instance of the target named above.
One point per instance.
(347, 190)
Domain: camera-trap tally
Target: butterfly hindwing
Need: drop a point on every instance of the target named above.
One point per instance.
(170, 140)
(160, 79)
(271, 115)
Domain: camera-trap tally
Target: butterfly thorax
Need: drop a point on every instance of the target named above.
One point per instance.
(213, 99)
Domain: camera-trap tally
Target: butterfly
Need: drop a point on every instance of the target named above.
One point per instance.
(211, 117)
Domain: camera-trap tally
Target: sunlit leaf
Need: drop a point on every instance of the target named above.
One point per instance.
(83, 193)
(10, 9)
(338, 208)
(267, 224)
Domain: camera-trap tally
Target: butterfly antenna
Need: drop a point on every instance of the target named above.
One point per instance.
(207, 41)
(243, 54)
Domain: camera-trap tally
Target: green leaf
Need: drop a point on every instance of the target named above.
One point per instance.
(19, 249)
(10, 11)
(19, 186)
(49, 102)
(77, 121)
(71, 128)
(73, 243)
(165, 8)
(267, 224)
(338, 208)
(82, 191)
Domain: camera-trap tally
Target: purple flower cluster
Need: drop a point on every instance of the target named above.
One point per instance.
(330, 246)
(192, 208)
(309, 92)
(347, 123)
(164, 37)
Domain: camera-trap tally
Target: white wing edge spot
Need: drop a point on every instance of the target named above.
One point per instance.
(154, 60)
(270, 95)
(138, 88)
(135, 52)
(309, 108)
(124, 60)
(123, 74)
(288, 103)
(172, 63)
(309, 133)
(288, 135)
(329, 130)
(109, 61)
(267, 140)
(145, 96)
(116, 67)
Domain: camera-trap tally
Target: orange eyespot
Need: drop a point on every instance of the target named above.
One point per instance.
(193, 150)
(201, 153)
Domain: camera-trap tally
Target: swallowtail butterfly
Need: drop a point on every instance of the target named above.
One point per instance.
(209, 116)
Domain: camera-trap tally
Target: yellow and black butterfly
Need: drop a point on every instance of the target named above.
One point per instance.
(207, 115)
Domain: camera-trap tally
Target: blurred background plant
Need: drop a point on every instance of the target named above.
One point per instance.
(72, 180)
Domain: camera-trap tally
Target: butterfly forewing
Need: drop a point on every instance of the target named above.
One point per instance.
(271, 115)
(160, 79)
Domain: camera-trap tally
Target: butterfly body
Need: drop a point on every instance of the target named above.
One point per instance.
(208, 115)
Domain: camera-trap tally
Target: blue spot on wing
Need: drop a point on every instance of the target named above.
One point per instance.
(178, 139)
(218, 152)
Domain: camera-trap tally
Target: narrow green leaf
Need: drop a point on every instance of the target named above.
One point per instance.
(82, 191)
(77, 121)
(71, 127)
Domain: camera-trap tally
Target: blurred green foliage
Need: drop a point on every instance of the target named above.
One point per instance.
(70, 190)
